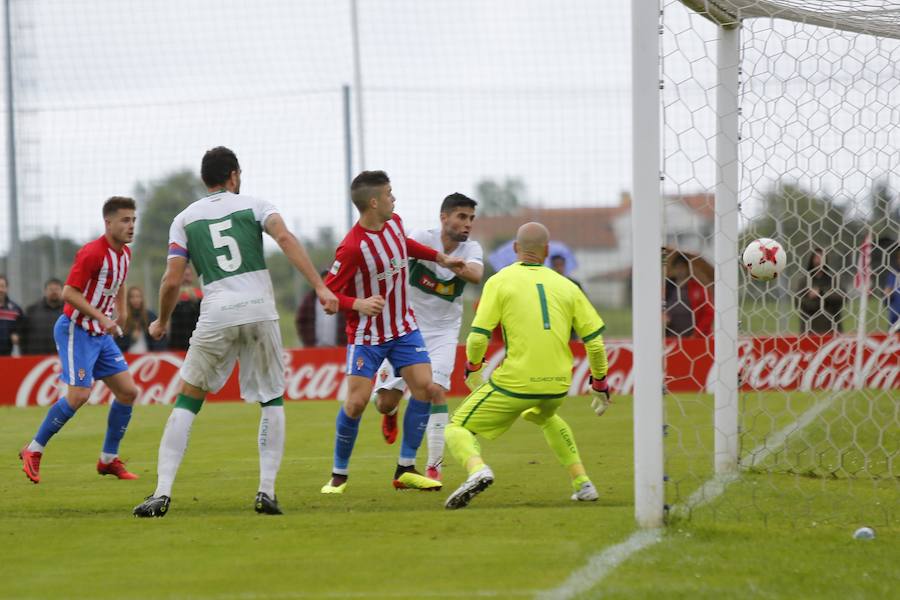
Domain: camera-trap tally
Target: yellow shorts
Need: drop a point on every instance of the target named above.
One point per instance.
(489, 412)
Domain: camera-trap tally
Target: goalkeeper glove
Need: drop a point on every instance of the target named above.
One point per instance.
(474, 376)
(600, 399)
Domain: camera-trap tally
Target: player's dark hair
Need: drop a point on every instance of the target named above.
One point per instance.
(457, 200)
(51, 281)
(679, 258)
(117, 203)
(557, 257)
(365, 186)
(218, 165)
(3, 277)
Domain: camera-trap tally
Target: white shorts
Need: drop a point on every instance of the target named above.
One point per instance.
(442, 351)
(257, 346)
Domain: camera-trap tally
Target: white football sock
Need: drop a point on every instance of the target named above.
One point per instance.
(437, 422)
(107, 458)
(171, 449)
(271, 447)
(35, 447)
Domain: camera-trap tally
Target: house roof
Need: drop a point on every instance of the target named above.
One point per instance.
(584, 227)
(703, 204)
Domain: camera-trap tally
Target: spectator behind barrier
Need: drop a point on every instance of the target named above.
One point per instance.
(10, 321)
(186, 313)
(37, 324)
(819, 300)
(135, 338)
(689, 306)
(317, 328)
(892, 289)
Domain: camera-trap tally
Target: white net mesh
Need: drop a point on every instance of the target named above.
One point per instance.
(513, 95)
(819, 406)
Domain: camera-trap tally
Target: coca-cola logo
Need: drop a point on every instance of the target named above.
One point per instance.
(315, 382)
(806, 363)
(42, 381)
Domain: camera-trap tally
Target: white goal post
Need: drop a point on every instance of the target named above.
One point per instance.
(728, 183)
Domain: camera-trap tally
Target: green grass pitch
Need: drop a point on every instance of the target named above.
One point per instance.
(73, 535)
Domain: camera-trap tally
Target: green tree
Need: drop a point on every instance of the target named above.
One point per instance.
(500, 198)
(290, 286)
(802, 221)
(43, 257)
(158, 203)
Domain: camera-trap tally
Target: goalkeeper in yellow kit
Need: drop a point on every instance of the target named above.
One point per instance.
(538, 308)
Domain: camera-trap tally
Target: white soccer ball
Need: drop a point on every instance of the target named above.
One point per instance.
(864, 533)
(764, 259)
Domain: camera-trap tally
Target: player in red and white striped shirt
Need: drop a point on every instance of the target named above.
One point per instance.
(370, 277)
(98, 273)
(94, 289)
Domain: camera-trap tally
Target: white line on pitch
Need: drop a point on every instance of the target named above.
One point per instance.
(601, 564)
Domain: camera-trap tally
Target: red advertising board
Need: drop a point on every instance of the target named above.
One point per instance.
(794, 363)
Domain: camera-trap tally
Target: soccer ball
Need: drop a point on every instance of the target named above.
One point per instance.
(764, 259)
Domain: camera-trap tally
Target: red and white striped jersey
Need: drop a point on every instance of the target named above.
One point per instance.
(98, 271)
(368, 263)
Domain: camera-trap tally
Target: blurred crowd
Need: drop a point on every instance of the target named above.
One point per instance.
(30, 331)
(819, 300)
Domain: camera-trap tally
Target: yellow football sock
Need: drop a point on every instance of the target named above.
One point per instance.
(464, 447)
(561, 440)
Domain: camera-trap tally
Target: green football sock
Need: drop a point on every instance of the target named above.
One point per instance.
(192, 404)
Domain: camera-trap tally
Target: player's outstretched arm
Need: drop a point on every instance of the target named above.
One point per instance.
(487, 317)
(453, 263)
(298, 256)
(76, 298)
(590, 327)
(471, 272)
(168, 295)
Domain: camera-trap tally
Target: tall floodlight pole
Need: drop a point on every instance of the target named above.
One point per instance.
(357, 87)
(13, 257)
(348, 153)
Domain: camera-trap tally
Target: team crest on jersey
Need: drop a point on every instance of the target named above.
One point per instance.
(335, 267)
(81, 373)
(360, 363)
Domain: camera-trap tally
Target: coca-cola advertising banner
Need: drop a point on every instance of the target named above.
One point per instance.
(766, 363)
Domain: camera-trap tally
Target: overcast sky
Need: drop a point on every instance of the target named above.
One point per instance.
(110, 93)
(127, 91)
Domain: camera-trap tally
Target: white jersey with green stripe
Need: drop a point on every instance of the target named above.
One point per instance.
(221, 235)
(436, 292)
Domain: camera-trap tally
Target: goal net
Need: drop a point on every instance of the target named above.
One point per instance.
(811, 434)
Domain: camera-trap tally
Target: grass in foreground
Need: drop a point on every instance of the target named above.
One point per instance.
(73, 536)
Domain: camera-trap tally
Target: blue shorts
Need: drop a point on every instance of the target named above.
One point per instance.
(363, 359)
(84, 357)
